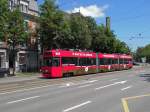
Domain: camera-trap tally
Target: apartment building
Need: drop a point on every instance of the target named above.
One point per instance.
(27, 56)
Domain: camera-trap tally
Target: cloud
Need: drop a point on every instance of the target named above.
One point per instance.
(91, 10)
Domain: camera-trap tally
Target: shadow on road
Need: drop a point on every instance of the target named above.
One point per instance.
(146, 76)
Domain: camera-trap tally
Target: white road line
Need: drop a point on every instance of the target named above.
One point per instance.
(115, 83)
(22, 90)
(77, 106)
(21, 100)
(85, 86)
(66, 84)
(92, 81)
(75, 84)
(126, 88)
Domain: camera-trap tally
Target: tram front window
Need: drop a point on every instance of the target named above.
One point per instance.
(51, 62)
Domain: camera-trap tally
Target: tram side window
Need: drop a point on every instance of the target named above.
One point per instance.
(82, 62)
(116, 61)
(93, 61)
(90, 61)
(113, 61)
(101, 61)
(109, 61)
(75, 61)
(106, 61)
(120, 61)
(69, 60)
(55, 62)
(87, 61)
(126, 61)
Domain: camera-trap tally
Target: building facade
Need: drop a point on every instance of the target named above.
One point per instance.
(26, 56)
(4, 63)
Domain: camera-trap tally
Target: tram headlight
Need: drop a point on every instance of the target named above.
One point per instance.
(46, 71)
(40, 70)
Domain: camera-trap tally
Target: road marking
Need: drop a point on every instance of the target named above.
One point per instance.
(125, 101)
(73, 84)
(77, 106)
(21, 100)
(115, 83)
(125, 105)
(126, 88)
(85, 86)
(134, 97)
(67, 84)
(92, 81)
(22, 90)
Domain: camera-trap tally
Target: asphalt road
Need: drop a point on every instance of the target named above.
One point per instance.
(121, 91)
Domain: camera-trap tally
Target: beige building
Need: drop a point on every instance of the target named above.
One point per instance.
(27, 55)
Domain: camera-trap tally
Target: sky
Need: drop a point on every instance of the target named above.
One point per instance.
(130, 19)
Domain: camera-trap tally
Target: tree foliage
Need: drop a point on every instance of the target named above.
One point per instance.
(143, 52)
(80, 32)
(4, 13)
(51, 20)
(74, 31)
(12, 29)
(16, 32)
(16, 29)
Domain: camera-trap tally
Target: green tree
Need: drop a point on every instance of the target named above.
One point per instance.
(80, 32)
(65, 33)
(94, 33)
(4, 12)
(143, 52)
(16, 32)
(74, 31)
(51, 21)
(103, 41)
(122, 47)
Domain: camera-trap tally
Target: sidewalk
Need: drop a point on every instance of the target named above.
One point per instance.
(19, 77)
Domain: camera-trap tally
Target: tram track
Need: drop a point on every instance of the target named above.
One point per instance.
(36, 83)
(27, 84)
(24, 85)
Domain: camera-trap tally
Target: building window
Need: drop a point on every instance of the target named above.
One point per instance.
(11, 4)
(18, 2)
(21, 7)
(26, 8)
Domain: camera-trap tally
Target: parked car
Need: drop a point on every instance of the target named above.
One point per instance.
(4, 72)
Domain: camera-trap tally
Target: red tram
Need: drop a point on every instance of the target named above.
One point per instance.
(60, 63)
